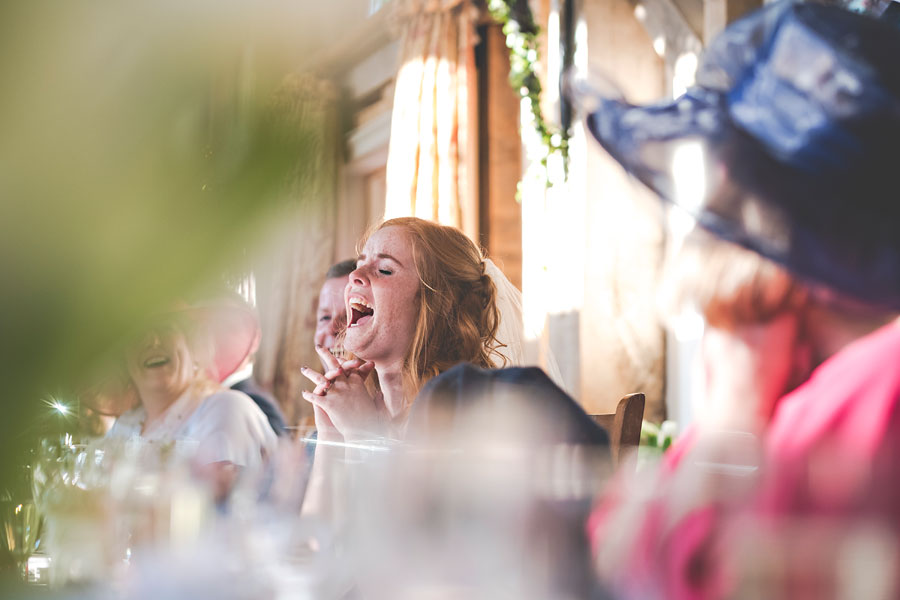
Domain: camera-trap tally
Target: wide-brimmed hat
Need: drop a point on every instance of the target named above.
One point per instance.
(223, 331)
(228, 325)
(788, 145)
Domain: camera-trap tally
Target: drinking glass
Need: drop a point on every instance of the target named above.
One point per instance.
(19, 531)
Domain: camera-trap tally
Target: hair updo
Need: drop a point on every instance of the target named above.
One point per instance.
(458, 315)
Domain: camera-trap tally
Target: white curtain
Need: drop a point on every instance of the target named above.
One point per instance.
(431, 166)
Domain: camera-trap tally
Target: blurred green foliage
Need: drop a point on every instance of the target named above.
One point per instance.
(140, 155)
(659, 437)
(522, 39)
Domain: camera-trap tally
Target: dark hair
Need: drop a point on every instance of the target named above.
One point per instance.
(341, 269)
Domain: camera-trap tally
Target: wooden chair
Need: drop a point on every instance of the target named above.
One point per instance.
(624, 425)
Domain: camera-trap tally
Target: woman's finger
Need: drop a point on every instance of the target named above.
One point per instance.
(365, 369)
(314, 376)
(335, 373)
(328, 359)
(352, 364)
(311, 398)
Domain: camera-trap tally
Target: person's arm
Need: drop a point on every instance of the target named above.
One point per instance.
(345, 410)
(232, 434)
(220, 477)
(321, 498)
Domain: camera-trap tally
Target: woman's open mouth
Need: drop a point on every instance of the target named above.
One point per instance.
(361, 312)
(155, 361)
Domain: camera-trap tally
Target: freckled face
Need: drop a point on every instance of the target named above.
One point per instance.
(381, 298)
(331, 315)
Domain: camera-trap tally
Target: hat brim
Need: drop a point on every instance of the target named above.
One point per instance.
(231, 329)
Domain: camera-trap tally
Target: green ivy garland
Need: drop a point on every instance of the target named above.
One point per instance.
(522, 40)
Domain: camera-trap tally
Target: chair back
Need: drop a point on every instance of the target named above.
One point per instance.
(623, 426)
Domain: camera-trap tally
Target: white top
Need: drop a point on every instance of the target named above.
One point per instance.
(226, 426)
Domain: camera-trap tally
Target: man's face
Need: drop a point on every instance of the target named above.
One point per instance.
(331, 315)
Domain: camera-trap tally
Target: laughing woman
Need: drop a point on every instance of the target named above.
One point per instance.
(421, 299)
(174, 369)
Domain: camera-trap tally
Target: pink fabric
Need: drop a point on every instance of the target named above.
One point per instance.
(676, 554)
(691, 570)
(832, 444)
(832, 450)
(234, 338)
(613, 496)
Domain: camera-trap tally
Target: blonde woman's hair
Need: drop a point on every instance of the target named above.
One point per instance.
(458, 316)
(729, 285)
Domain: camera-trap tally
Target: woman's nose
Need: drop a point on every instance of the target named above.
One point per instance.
(358, 276)
(152, 339)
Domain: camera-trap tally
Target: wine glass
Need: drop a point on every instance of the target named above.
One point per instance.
(19, 531)
(65, 475)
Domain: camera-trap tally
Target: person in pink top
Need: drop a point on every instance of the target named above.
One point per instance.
(789, 485)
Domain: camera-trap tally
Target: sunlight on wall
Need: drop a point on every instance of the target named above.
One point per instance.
(580, 60)
(246, 288)
(689, 173)
(553, 230)
(550, 95)
(685, 73)
(535, 235)
(685, 391)
(659, 45)
(640, 12)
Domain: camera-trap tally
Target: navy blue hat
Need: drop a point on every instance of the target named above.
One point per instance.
(792, 136)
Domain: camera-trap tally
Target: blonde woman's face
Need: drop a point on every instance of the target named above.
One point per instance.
(381, 299)
(160, 361)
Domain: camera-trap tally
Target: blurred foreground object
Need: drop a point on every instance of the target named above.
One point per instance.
(140, 155)
(131, 518)
(795, 112)
(784, 148)
(511, 463)
(109, 502)
(624, 426)
(176, 366)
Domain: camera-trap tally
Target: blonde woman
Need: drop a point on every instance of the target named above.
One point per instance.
(175, 368)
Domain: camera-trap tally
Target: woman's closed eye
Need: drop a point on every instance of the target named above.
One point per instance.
(324, 318)
(385, 271)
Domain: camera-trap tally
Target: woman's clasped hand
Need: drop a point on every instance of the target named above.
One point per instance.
(345, 406)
